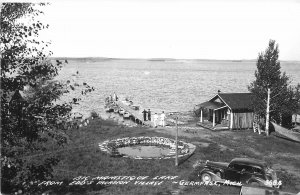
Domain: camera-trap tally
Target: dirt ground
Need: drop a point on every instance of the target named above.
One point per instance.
(283, 155)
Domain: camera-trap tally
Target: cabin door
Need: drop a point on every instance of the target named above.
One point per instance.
(210, 115)
(218, 116)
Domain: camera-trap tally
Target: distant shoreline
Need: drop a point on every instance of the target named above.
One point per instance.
(156, 59)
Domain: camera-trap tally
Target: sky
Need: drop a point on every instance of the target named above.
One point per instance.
(182, 29)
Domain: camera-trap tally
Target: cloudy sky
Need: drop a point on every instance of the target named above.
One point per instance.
(186, 29)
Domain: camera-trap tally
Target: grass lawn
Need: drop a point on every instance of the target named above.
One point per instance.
(82, 157)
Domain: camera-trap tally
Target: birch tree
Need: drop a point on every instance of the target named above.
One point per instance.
(269, 76)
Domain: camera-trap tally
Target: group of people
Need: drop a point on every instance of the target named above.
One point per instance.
(113, 97)
(147, 113)
(157, 122)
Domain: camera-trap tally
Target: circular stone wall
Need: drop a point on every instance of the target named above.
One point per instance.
(146, 147)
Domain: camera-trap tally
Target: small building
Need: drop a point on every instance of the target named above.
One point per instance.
(296, 118)
(16, 101)
(227, 111)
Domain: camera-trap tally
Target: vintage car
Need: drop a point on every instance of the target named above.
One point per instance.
(240, 170)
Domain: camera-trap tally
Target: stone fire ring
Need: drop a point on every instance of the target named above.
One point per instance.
(111, 146)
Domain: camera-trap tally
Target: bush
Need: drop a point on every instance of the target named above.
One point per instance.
(94, 114)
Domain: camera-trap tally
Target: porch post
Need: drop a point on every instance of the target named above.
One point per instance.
(231, 119)
(201, 116)
(214, 116)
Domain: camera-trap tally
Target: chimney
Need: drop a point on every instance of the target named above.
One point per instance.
(219, 91)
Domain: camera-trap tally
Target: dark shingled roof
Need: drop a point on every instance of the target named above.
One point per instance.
(211, 105)
(237, 101)
(13, 95)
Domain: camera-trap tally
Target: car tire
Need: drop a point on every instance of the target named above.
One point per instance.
(205, 177)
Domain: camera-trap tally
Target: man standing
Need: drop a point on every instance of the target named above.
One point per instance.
(155, 118)
(162, 119)
(149, 115)
(145, 114)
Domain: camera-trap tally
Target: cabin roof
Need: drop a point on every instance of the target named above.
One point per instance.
(14, 95)
(211, 105)
(237, 101)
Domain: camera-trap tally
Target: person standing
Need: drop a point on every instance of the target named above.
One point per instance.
(115, 97)
(155, 118)
(145, 115)
(162, 119)
(149, 115)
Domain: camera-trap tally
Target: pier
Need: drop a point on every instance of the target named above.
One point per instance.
(136, 114)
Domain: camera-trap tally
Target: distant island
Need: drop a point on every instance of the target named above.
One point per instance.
(95, 59)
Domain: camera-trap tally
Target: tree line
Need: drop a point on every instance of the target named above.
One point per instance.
(30, 115)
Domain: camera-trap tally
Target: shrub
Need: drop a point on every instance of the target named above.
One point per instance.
(94, 114)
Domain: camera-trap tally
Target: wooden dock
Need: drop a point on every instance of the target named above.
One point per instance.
(137, 114)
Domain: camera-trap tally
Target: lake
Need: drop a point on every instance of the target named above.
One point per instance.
(161, 85)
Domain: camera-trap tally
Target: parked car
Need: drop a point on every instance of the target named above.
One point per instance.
(240, 170)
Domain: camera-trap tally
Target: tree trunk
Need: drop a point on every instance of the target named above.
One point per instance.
(268, 113)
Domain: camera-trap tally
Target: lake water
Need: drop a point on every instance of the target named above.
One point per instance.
(145, 151)
(169, 85)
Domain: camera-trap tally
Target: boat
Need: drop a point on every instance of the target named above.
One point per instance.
(77, 115)
(109, 109)
(121, 111)
(135, 107)
(126, 115)
(132, 118)
(285, 133)
(116, 110)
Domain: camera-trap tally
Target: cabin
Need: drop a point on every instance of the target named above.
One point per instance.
(296, 118)
(16, 96)
(16, 100)
(227, 111)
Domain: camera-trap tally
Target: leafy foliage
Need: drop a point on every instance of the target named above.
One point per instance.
(94, 114)
(31, 118)
(283, 95)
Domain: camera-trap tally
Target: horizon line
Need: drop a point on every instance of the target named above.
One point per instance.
(163, 58)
